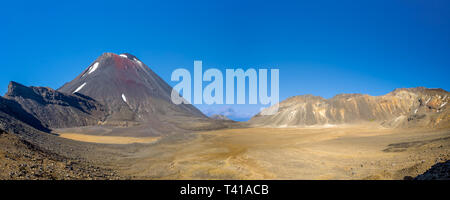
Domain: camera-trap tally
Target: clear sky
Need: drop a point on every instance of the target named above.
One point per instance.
(321, 47)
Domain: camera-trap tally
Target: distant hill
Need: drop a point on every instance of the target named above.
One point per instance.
(412, 107)
(220, 117)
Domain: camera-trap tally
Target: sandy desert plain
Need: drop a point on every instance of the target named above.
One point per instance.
(344, 152)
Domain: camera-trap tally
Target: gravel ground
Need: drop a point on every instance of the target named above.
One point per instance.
(21, 160)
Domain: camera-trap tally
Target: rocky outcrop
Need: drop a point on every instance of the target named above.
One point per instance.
(400, 108)
(13, 118)
(429, 110)
(45, 108)
(439, 171)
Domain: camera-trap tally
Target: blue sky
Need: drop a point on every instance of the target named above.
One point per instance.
(321, 48)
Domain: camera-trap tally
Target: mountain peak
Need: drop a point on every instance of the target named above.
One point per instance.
(130, 89)
(13, 84)
(122, 55)
(15, 89)
(129, 56)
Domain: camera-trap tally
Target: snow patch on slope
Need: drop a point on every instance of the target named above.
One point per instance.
(123, 55)
(136, 60)
(79, 88)
(124, 98)
(93, 68)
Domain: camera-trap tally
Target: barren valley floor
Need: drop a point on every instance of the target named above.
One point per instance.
(342, 152)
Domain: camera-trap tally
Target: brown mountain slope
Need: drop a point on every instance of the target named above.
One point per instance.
(401, 108)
